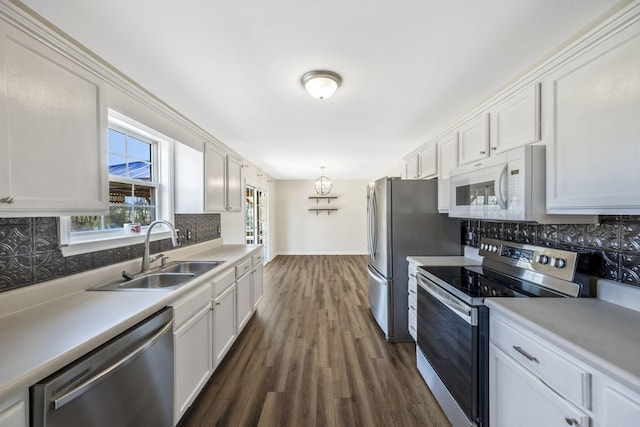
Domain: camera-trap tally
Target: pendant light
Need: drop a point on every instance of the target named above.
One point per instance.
(321, 84)
(323, 184)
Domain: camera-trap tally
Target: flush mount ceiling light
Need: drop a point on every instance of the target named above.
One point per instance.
(323, 184)
(321, 84)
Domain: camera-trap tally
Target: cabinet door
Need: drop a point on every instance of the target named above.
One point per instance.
(621, 408)
(234, 185)
(518, 398)
(474, 140)
(428, 161)
(447, 160)
(53, 132)
(224, 323)
(193, 359)
(412, 167)
(14, 412)
(214, 172)
(244, 304)
(515, 121)
(188, 179)
(256, 284)
(593, 150)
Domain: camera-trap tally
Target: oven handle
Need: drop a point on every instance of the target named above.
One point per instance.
(464, 311)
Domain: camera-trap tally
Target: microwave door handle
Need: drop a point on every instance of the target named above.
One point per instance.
(502, 201)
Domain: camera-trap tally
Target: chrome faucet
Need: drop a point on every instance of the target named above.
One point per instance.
(146, 258)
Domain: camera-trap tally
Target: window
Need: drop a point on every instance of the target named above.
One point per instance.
(132, 184)
(139, 190)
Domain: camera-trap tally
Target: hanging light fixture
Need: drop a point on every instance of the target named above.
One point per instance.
(323, 184)
(321, 84)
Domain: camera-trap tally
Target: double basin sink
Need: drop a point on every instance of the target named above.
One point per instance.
(169, 278)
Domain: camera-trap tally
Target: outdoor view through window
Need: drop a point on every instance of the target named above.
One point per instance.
(132, 184)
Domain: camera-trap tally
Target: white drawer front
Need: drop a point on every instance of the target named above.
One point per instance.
(190, 304)
(243, 268)
(565, 377)
(256, 259)
(222, 282)
(413, 325)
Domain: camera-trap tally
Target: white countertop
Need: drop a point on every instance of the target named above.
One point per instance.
(603, 335)
(39, 339)
(444, 261)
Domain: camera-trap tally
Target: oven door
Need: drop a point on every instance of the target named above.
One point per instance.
(448, 337)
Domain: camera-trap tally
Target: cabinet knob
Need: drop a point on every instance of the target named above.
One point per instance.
(483, 152)
(494, 148)
(7, 199)
(571, 421)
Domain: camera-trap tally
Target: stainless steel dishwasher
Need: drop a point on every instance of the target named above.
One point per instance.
(126, 382)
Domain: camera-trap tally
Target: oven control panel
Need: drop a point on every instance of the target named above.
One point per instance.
(549, 261)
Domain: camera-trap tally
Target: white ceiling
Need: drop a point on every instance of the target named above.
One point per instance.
(409, 67)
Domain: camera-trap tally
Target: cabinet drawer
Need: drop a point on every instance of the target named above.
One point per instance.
(243, 268)
(413, 325)
(222, 282)
(565, 377)
(256, 260)
(190, 304)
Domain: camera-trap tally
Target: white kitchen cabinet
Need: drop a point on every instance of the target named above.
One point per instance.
(215, 179)
(234, 185)
(188, 179)
(244, 303)
(192, 340)
(14, 412)
(53, 125)
(428, 161)
(412, 167)
(423, 164)
(473, 140)
(519, 398)
(621, 406)
(412, 301)
(224, 323)
(592, 105)
(257, 289)
(515, 121)
(447, 160)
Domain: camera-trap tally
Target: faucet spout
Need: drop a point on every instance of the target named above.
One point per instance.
(146, 258)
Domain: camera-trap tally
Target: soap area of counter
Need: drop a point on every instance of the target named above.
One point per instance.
(47, 326)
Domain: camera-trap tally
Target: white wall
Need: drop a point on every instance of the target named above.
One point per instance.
(300, 232)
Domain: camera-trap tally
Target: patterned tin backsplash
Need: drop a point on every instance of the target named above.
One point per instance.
(29, 251)
(614, 243)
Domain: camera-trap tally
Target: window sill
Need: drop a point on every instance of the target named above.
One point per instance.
(115, 240)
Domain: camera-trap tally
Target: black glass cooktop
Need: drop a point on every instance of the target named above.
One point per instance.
(479, 282)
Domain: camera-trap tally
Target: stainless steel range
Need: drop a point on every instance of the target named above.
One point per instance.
(453, 322)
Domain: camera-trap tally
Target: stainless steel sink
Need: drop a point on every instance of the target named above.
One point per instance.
(195, 267)
(150, 282)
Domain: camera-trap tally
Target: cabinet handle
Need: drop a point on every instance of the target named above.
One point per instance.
(411, 291)
(525, 354)
(412, 328)
(494, 148)
(8, 200)
(412, 307)
(483, 152)
(571, 421)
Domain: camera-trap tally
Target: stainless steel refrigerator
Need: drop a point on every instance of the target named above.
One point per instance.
(403, 220)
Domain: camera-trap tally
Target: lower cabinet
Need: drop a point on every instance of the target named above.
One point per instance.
(224, 323)
(256, 281)
(14, 412)
(244, 301)
(192, 337)
(518, 398)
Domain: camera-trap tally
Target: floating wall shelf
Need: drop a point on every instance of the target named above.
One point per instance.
(318, 210)
(327, 198)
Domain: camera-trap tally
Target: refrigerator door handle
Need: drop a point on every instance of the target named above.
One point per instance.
(374, 223)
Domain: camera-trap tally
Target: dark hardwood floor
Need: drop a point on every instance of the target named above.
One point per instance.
(313, 356)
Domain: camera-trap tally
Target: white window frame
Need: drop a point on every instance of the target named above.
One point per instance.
(92, 241)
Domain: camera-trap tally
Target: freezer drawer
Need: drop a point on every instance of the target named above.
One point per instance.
(379, 300)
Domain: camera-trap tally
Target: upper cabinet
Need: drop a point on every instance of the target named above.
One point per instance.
(447, 160)
(515, 121)
(423, 164)
(593, 103)
(473, 144)
(53, 131)
(206, 182)
(214, 178)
